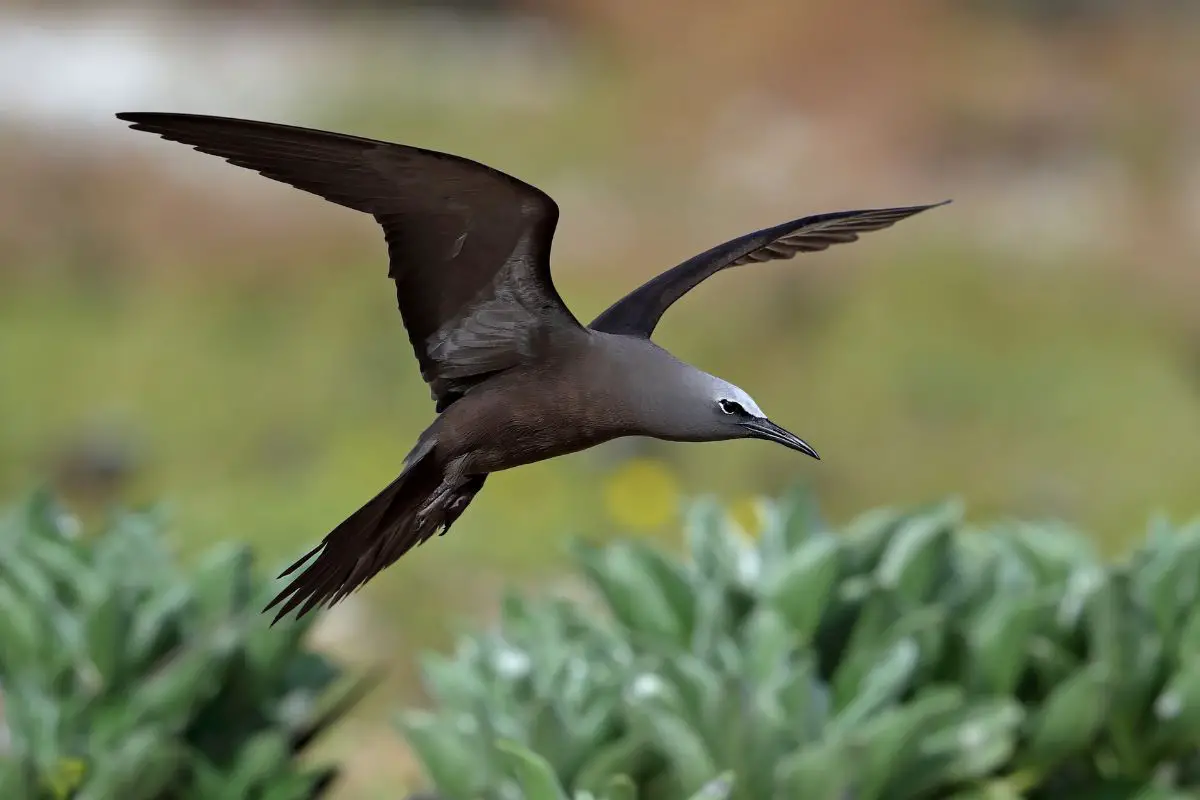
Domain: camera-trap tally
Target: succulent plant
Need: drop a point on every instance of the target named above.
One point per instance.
(124, 675)
(907, 656)
(537, 780)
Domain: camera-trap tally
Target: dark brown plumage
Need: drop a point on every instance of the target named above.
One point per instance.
(514, 376)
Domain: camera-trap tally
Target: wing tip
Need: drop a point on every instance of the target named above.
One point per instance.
(137, 117)
(162, 122)
(917, 209)
(904, 212)
(143, 120)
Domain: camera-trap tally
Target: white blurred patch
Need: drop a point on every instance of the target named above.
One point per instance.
(77, 69)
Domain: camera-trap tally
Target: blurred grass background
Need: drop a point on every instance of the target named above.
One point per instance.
(173, 327)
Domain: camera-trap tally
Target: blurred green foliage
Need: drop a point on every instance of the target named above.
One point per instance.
(124, 676)
(534, 778)
(907, 656)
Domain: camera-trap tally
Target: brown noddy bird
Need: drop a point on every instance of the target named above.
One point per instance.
(515, 377)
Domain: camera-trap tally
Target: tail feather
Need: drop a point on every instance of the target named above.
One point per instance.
(374, 537)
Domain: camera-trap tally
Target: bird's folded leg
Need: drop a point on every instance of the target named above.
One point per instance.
(462, 498)
(433, 505)
(447, 503)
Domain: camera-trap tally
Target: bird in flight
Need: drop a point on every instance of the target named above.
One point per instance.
(514, 376)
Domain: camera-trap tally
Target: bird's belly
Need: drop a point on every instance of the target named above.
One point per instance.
(495, 437)
(517, 443)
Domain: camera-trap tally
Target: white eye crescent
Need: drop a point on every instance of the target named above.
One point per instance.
(730, 407)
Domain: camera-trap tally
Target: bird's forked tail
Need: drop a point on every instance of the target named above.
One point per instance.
(413, 507)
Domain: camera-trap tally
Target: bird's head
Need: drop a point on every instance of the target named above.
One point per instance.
(730, 413)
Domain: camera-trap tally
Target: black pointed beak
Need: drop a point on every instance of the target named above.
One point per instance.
(765, 429)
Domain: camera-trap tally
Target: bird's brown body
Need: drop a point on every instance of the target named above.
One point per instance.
(517, 419)
(577, 396)
(515, 377)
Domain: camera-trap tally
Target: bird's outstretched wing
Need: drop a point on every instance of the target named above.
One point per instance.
(637, 313)
(469, 246)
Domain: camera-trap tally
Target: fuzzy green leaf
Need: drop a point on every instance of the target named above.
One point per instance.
(674, 582)
(882, 745)
(532, 772)
(622, 757)
(711, 545)
(630, 588)
(915, 557)
(259, 761)
(620, 787)
(143, 765)
(448, 759)
(820, 771)
(719, 788)
(801, 585)
(1071, 717)
(1000, 638)
(881, 687)
(1177, 710)
(105, 624)
(656, 718)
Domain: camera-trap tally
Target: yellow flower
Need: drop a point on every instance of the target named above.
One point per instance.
(642, 494)
(744, 511)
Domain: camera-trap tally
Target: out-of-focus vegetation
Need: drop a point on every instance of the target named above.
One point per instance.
(171, 324)
(123, 675)
(908, 656)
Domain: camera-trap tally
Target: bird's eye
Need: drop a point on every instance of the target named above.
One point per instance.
(730, 407)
